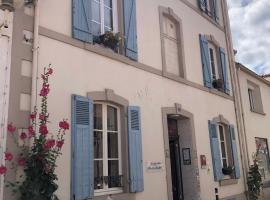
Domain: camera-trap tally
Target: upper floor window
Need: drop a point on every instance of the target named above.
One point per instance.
(107, 149)
(92, 19)
(171, 43)
(210, 7)
(104, 14)
(255, 99)
(214, 64)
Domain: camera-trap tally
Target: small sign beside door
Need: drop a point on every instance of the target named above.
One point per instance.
(154, 166)
(186, 156)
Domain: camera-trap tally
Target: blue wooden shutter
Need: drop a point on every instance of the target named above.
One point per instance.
(135, 149)
(207, 78)
(82, 148)
(224, 70)
(130, 28)
(216, 13)
(234, 152)
(81, 20)
(203, 5)
(216, 156)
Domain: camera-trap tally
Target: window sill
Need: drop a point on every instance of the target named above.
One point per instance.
(119, 196)
(226, 182)
(258, 112)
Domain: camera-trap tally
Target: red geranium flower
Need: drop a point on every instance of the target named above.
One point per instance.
(11, 128)
(60, 143)
(3, 170)
(23, 136)
(64, 125)
(8, 156)
(21, 162)
(43, 130)
(49, 144)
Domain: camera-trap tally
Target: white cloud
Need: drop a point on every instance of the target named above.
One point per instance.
(250, 25)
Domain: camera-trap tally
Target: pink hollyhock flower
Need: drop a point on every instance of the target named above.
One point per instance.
(32, 116)
(21, 162)
(3, 170)
(50, 71)
(64, 125)
(42, 117)
(49, 144)
(11, 128)
(60, 143)
(8, 156)
(31, 131)
(44, 91)
(23, 136)
(43, 130)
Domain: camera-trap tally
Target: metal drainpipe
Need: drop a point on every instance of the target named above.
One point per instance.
(236, 92)
(35, 56)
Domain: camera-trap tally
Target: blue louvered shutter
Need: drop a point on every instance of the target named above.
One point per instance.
(203, 5)
(82, 148)
(130, 28)
(224, 70)
(215, 150)
(81, 20)
(216, 13)
(135, 150)
(234, 152)
(207, 78)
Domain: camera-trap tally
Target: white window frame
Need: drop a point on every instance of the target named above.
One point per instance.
(251, 98)
(214, 49)
(225, 144)
(114, 15)
(105, 159)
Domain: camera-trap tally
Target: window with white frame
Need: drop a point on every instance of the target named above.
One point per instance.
(107, 149)
(255, 97)
(213, 61)
(223, 145)
(251, 98)
(104, 16)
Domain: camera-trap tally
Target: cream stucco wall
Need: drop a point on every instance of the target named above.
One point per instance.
(257, 125)
(78, 71)
(148, 30)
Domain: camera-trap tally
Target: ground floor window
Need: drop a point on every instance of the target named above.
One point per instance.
(263, 155)
(107, 149)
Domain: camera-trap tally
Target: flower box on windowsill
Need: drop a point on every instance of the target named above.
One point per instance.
(109, 40)
(218, 84)
(228, 170)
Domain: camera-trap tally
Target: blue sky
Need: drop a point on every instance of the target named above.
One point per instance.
(250, 26)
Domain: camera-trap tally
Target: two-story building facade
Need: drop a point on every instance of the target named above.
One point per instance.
(152, 119)
(255, 93)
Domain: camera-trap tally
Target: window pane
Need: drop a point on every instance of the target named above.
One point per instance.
(98, 116)
(108, 3)
(223, 150)
(108, 18)
(96, 11)
(98, 174)
(112, 118)
(112, 145)
(212, 60)
(225, 163)
(221, 133)
(98, 144)
(114, 180)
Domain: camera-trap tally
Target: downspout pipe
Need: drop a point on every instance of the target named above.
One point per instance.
(35, 56)
(237, 97)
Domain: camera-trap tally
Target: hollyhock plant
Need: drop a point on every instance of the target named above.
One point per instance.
(8, 156)
(38, 161)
